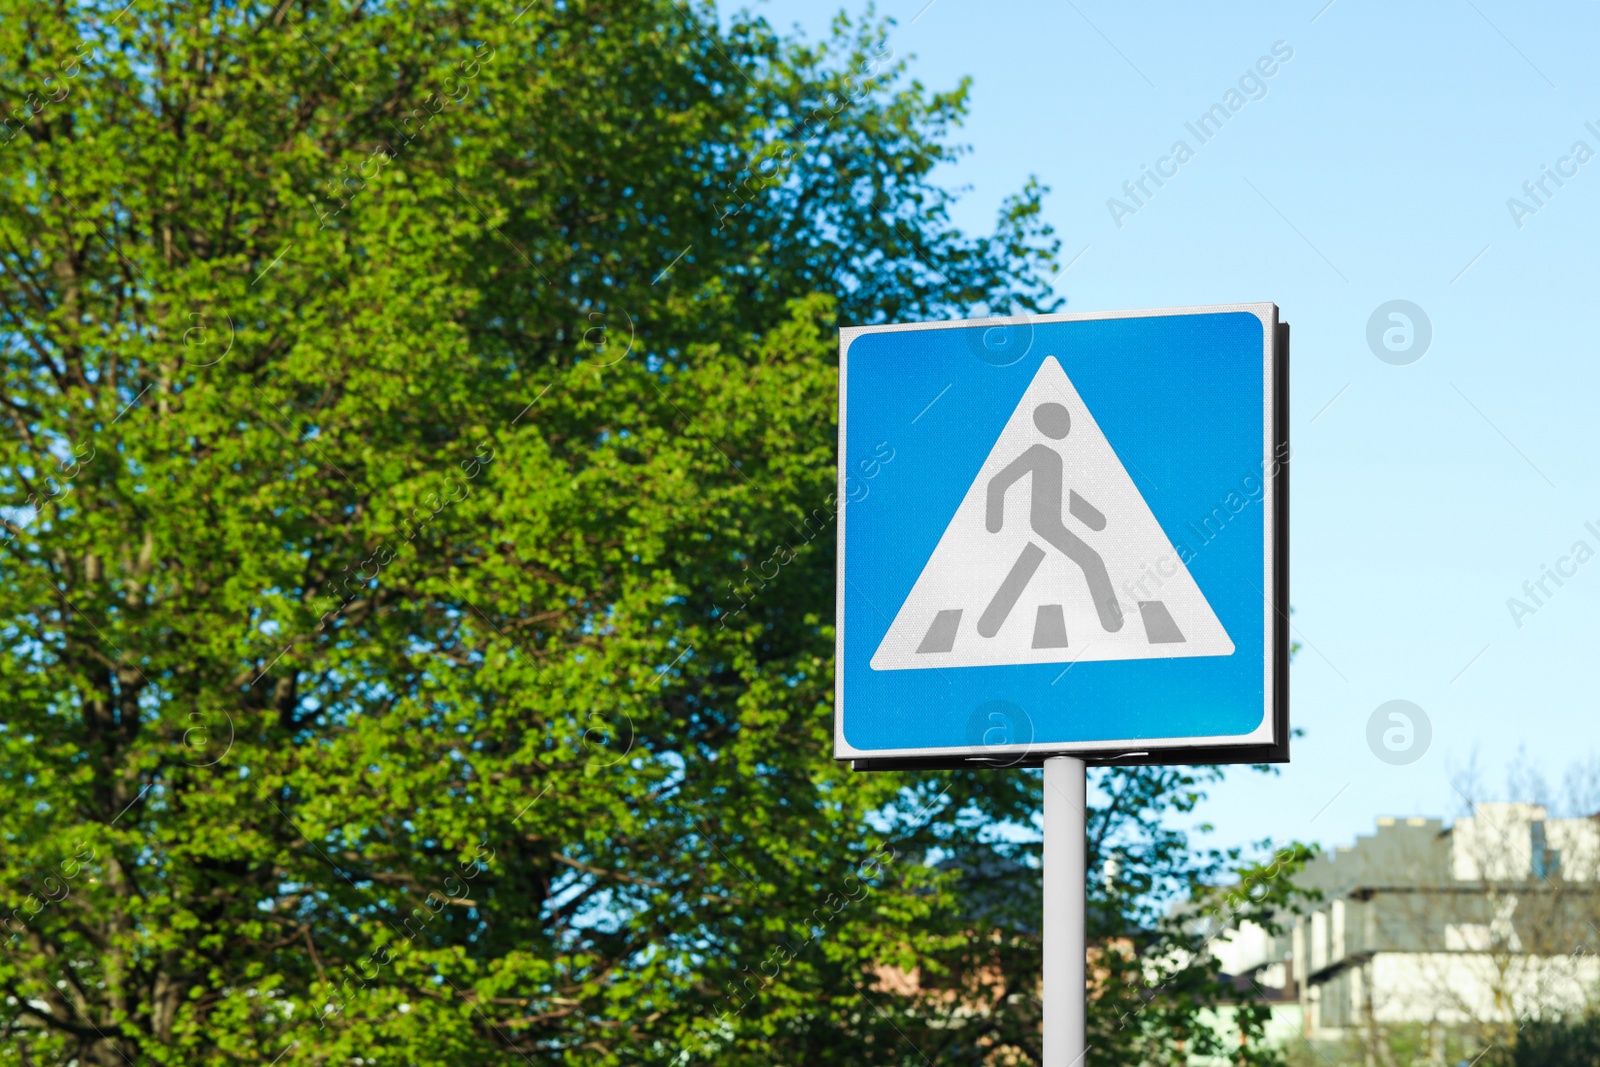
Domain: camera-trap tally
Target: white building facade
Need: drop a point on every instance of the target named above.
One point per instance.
(1493, 920)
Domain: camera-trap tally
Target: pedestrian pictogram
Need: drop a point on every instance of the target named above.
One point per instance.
(1052, 556)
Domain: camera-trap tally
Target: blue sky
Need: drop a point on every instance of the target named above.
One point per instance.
(1377, 166)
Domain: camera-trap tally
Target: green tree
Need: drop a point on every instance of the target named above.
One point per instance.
(1158, 903)
(417, 578)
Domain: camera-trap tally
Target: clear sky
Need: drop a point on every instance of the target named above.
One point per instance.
(1377, 166)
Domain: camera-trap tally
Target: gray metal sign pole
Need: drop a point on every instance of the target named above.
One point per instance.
(1065, 944)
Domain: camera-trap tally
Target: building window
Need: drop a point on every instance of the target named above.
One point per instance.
(1545, 860)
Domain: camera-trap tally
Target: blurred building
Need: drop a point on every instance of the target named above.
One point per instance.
(1492, 920)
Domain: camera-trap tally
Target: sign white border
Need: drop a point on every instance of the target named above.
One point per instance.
(1274, 427)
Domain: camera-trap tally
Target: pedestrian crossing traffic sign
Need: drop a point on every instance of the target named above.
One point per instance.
(1080, 545)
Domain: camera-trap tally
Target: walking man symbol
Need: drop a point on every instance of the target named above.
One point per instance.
(1043, 464)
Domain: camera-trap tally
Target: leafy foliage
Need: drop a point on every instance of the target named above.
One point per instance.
(1559, 1043)
(417, 587)
(1155, 984)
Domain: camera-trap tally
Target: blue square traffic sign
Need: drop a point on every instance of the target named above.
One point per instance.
(1064, 535)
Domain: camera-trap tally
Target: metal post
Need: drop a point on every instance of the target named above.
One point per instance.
(1065, 947)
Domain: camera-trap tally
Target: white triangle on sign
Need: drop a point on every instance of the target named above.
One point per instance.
(1083, 572)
